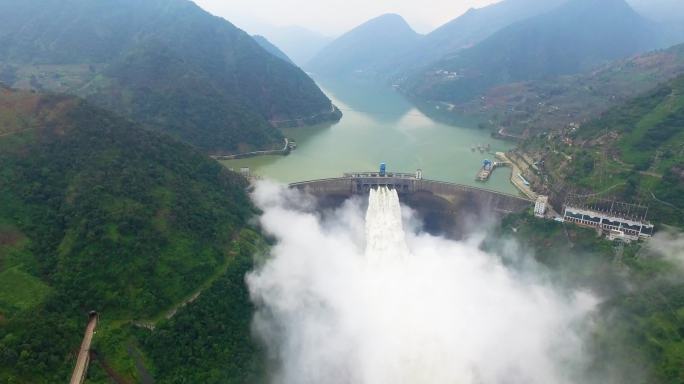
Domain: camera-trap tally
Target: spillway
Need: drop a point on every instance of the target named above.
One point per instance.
(385, 237)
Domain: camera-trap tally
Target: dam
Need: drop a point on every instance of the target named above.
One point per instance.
(445, 208)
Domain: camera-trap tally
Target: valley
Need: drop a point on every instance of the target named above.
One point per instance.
(143, 61)
(288, 192)
(380, 125)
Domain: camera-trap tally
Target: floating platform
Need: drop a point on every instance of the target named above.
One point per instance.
(483, 174)
(488, 168)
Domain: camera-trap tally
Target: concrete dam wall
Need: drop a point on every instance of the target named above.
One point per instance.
(445, 208)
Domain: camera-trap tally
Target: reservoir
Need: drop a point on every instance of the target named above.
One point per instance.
(380, 125)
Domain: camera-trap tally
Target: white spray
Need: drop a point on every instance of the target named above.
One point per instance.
(385, 236)
(348, 301)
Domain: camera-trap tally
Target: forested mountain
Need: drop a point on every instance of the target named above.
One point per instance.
(575, 36)
(270, 48)
(97, 213)
(165, 63)
(365, 49)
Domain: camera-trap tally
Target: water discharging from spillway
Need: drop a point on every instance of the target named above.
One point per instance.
(385, 236)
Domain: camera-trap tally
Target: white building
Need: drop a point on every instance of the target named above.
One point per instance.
(540, 206)
(615, 225)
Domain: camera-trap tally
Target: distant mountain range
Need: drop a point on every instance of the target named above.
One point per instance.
(300, 44)
(668, 13)
(660, 10)
(466, 31)
(272, 49)
(578, 35)
(387, 48)
(164, 63)
(503, 43)
(364, 50)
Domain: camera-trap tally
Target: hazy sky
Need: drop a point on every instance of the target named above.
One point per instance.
(333, 17)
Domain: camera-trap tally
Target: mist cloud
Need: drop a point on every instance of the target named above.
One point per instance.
(447, 312)
(669, 244)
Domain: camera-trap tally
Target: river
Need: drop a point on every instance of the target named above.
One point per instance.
(380, 125)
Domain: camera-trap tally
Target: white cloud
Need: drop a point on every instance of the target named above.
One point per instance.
(670, 244)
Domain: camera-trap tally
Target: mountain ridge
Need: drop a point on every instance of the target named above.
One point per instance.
(364, 48)
(272, 48)
(464, 31)
(166, 64)
(545, 45)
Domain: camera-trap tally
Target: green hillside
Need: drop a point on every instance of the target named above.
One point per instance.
(167, 64)
(99, 214)
(635, 150)
(552, 105)
(533, 107)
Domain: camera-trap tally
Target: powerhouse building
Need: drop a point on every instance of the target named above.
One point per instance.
(616, 225)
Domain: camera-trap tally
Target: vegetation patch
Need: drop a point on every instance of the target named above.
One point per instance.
(113, 218)
(20, 290)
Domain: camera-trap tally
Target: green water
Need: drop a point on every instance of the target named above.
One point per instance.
(380, 125)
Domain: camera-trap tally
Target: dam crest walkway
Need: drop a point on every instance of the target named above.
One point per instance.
(412, 184)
